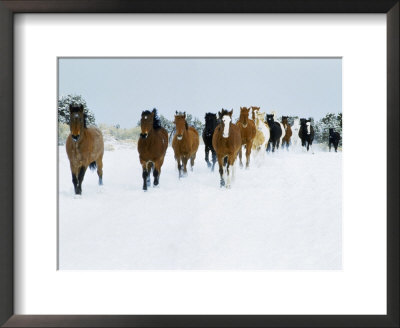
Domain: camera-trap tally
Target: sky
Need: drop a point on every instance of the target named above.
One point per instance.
(117, 90)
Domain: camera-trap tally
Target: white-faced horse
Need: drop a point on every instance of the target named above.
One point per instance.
(295, 136)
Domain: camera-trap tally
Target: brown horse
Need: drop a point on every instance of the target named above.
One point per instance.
(247, 133)
(85, 147)
(288, 134)
(185, 143)
(152, 146)
(227, 143)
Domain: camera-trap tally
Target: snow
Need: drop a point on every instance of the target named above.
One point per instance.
(282, 213)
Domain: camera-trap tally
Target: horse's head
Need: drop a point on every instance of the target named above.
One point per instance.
(303, 121)
(259, 118)
(226, 117)
(254, 111)
(180, 124)
(244, 116)
(270, 119)
(146, 123)
(285, 120)
(330, 131)
(77, 121)
(211, 121)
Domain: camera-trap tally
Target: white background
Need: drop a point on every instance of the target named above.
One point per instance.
(360, 288)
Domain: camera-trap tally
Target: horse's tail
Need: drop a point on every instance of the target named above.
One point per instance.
(92, 165)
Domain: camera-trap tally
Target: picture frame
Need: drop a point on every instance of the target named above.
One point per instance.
(7, 10)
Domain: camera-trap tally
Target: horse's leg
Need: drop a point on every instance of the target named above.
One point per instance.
(192, 161)
(184, 162)
(221, 170)
(144, 174)
(99, 164)
(330, 145)
(207, 149)
(214, 159)
(150, 166)
(240, 156)
(81, 175)
(74, 173)
(228, 176)
(248, 152)
(178, 159)
(156, 173)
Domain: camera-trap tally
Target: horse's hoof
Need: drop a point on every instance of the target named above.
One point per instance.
(222, 183)
(208, 164)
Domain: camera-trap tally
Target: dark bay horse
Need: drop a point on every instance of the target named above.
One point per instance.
(334, 138)
(152, 146)
(288, 134)
(185, 143)
(247, 133)
(85, 147)
(306, 133)
(211, 123)
(226, 142)
(275, 131)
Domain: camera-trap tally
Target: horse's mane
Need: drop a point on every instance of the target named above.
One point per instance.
(156, 119)
(223, 112)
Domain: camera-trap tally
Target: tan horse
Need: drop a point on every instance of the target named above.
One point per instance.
(152, 146)
(262, 130)
(185, 143)
(227, 143)
(85, 147)
(288, 134)
(247, 133)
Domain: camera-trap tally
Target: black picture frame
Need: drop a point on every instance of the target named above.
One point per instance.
(10, 7)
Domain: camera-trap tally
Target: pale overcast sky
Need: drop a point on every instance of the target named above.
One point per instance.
(117, 90)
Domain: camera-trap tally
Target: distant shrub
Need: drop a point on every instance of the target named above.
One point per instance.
(119, 133)
(63, 133)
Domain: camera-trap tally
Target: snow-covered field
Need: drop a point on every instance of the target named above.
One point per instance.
(282, 213)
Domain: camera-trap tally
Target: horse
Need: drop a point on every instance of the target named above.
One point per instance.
(85, 148)
(295, 130)
(275, 130)
(211, 123)
(152, 146)
(227, 143)
(282, 128)
(306, 133)
(288, 132)
(185, 143)
(334, 138)
(262, 130)
(247, 133)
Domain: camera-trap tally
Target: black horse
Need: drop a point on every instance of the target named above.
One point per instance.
(306, 133)
(334, 138)
(211, 124)
(275, 132)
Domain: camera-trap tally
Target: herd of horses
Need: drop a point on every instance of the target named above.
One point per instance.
(222, 138)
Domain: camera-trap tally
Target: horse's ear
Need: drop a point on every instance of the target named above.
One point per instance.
(176, 112)
(81, 107)
(219, 114)
(184, 114)
(231, 112)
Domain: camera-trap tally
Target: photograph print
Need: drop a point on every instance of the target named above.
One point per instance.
(199, 163)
